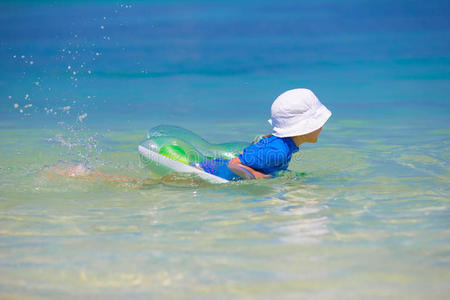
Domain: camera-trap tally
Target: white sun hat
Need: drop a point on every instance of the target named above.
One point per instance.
(297, 112)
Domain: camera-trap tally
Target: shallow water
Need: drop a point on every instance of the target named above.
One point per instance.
(367, 217)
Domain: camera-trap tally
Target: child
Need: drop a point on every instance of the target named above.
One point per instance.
(297, 118)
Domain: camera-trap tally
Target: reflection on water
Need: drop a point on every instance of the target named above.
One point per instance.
(306, 223)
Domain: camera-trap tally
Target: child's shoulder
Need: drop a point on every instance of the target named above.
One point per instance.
(273, 141)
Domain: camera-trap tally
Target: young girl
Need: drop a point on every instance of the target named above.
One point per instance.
(297, 117)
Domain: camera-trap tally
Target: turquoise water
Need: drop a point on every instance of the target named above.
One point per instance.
(83, 82)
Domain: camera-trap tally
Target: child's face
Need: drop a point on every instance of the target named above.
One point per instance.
(312, 137)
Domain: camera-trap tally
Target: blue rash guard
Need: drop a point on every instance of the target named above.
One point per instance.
(219, 167)
(269, 155)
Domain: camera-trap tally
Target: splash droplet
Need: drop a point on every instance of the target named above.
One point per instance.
(81, 117)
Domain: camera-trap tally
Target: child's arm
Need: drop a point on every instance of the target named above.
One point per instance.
(236, 161)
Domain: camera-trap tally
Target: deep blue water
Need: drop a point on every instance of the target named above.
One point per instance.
(224, 58)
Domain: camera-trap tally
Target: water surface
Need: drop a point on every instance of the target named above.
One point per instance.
(83, 82)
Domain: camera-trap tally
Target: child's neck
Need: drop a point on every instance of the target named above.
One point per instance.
(298, 140)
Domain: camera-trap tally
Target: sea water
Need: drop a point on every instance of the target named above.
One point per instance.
(81, 82)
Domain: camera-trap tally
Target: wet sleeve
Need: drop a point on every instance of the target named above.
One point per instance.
(265, 158)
